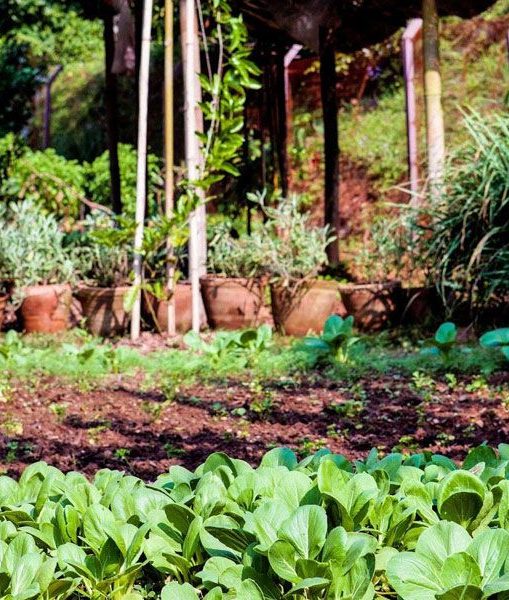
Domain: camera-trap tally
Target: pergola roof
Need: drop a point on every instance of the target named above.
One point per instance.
(358, 23)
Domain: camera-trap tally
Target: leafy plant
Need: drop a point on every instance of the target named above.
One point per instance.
(335, 342)
(321, 528)
(443, 342)
(32, 249)
(498, 338)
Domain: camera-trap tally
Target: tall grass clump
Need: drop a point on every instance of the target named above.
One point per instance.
(467, 240)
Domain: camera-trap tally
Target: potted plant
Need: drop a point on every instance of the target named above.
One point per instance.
(234, 294)
(373, 300)
(295, 254)
(38, 265)
(104, 287)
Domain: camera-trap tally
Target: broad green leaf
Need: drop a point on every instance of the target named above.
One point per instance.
(460, 497)
(177, 591)
(306, 530)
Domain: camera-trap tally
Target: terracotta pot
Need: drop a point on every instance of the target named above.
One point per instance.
(103, 309)
(373, 305)
(419, 304)
(3, 304)
(302, 309)
(157, 310)
(46, 308)
(234, 303)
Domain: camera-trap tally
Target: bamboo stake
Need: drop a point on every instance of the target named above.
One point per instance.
(168, 153)
(433, 96)
(141, 185)
(194, 123)
(412, 32)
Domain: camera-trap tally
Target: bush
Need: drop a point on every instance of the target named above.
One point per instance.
(43, 177)
(32, 248)
(467, 243)
(322, 528)
(98, 179)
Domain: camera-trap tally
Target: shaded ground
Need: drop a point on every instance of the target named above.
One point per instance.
(141, 427)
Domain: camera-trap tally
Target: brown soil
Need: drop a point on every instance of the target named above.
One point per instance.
(117, 425)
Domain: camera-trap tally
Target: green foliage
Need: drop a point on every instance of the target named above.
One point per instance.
(498, 338)
(294, 250)
(18, 82)
(322, 528)
(245, 345)
(335, 342)
(444, 341)
(98, 180)
(466, 246)
(241, 256)
(32, 248)
(48, 180)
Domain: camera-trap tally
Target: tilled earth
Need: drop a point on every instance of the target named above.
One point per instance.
(122, 423)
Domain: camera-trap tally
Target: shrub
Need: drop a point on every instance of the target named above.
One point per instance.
(43, 177)
(32, 248)
(322, 528)
(466, 243)
(98, 179)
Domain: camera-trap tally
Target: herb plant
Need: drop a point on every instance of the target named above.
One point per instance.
(443, 342)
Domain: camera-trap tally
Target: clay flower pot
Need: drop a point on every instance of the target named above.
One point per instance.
(103, 309)
(46, 308)
(234, 303)
(157, 310)
(419, 304)
(3, 304)
(303, 308)
(372, 305)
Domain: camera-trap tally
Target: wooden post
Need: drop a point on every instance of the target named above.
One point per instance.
(141, 182)
(281, 119)
(433, 96)
(193, 124)
(168, 154)
(331, 138)
(111, 110)
(412, 31)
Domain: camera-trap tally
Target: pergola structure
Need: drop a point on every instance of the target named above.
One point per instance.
(323, 27)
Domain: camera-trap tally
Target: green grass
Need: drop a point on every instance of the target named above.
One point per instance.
(77, 357)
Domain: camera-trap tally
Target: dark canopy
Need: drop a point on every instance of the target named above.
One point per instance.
(359, 23)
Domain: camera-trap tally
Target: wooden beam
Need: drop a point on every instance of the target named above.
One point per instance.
(111, 110)
(331, 138)
(433, 96)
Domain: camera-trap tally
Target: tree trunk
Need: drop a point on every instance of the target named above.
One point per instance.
(141, 181)
(331, 138)
(168, 155)
(433, 97)
(111, 109)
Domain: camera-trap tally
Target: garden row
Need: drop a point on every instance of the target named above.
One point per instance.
(40, 264)
(322, 528)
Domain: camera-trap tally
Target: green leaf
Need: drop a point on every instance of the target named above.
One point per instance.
(495, 338)
(306, 530)
(177, 591)
(460, 497)
(446, 334)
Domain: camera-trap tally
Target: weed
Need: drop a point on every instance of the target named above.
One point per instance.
(59, 410)
(173, 451)
(12, 427)
(308, 446)
(349, 408)
(122, 454)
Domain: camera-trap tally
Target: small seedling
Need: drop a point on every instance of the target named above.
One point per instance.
(172, 451)
(122, 453)
(335, 342)
(443, 342)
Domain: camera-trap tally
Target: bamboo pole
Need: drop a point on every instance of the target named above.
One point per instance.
(412, 31)
(433, 96)
(168, 153)
(193, 124)
(141, 182)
